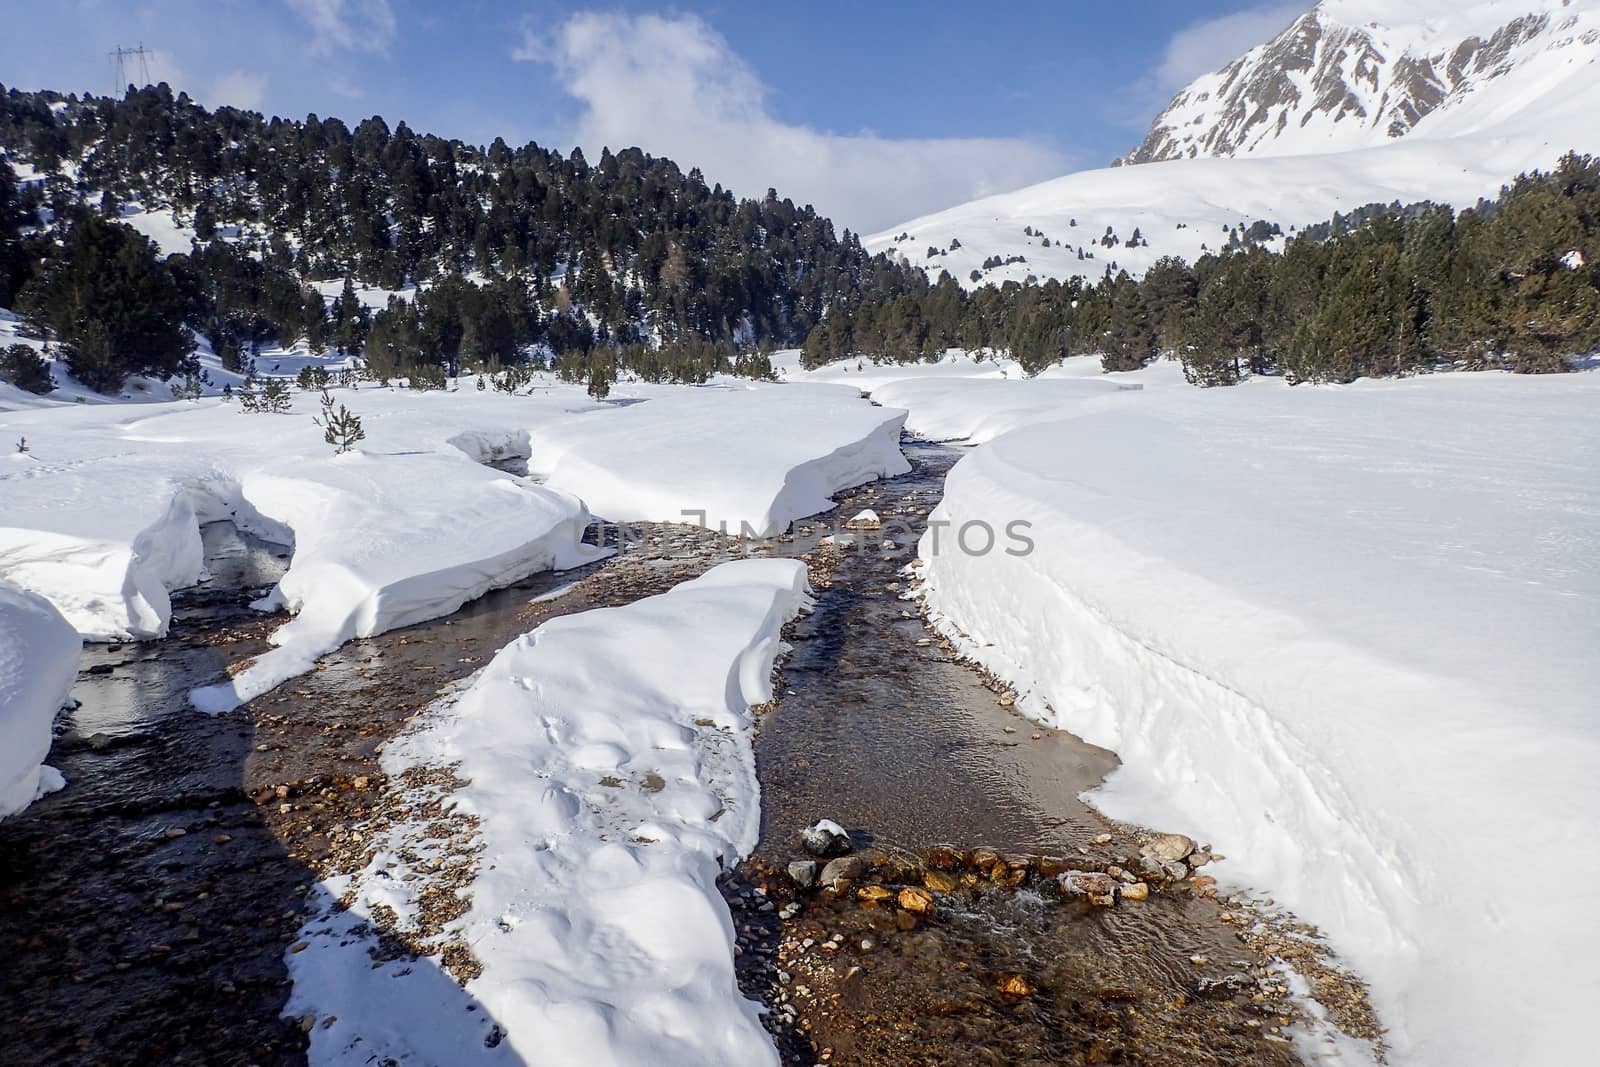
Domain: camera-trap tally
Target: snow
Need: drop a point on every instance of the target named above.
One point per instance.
(38, 663)
(751, 458)
(161, 225)
(101, 536)
(594, 912)
(371, 297)
(273, 361)
(102, 514)
(1348, 634)
(979, 410)
(1376, 50)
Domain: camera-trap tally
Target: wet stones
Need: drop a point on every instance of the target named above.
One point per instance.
(826, 839)
(1099, 889)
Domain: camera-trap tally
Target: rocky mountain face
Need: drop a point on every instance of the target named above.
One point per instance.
(1357, 73)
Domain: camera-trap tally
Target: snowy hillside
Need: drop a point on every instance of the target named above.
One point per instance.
(1509, 107)
(1357, 73)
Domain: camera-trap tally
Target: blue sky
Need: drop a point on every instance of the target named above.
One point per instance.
(875, 112)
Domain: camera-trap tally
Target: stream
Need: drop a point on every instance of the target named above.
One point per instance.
(145, 910)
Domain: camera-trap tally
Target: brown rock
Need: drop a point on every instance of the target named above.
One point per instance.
(1015, 985)
(939, 881)
(919, 901)
(839, 873)
(1136, 891)
(872, 894)
(1099, 889)
(1050, 866)
(944, 858)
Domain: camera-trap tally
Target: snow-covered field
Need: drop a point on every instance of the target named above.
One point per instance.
(1346, 633)
(38, 663)
(608, 765)
(102, 512)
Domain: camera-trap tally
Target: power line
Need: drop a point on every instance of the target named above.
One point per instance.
(120, 56)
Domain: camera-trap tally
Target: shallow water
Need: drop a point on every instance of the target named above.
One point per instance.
(899, 740)
(878, 727)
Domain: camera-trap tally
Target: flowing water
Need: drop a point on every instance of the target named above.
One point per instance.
(145, 910)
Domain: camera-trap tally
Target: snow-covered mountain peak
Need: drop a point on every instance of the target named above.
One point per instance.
(1357, 73)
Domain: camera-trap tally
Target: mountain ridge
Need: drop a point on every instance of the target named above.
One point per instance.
(1339, 78)
(1532, 100)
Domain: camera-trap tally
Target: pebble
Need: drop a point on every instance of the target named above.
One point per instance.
(1136, 891)
(1102, 839)
(803, 873)
(1017, 986)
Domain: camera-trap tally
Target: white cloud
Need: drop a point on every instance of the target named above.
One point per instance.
(674, 87)
(242, 89)
(1206, 46)
(348, 25)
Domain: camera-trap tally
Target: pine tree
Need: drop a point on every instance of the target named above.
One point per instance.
(274, 398)
(107, 294)
(24, 368)
(341, 428)
(1129, 339)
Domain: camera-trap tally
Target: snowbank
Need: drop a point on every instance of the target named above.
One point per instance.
(608, 763)
(38, 662)
(1348, 634)
(103, 538)
(387, 541)
(757, 457)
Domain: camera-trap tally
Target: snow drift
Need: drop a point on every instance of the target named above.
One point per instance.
(607, 760)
